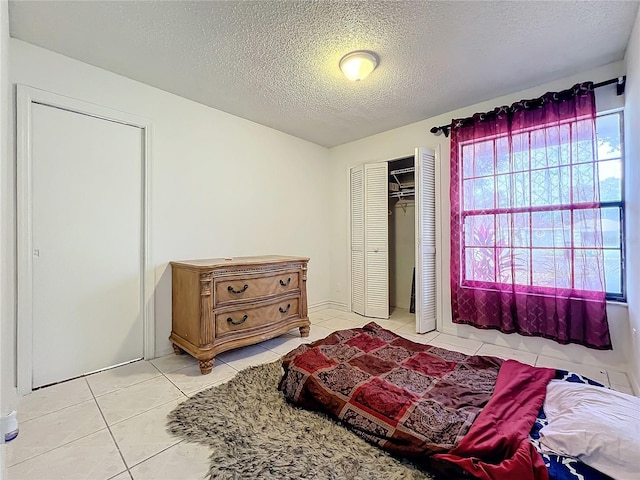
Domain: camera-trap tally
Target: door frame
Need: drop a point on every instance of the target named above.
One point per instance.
(26, 97)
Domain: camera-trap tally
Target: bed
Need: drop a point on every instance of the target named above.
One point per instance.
(460, 416)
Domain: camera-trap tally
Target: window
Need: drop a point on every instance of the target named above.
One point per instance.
(528, 208)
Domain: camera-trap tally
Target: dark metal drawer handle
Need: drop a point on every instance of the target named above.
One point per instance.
(283, 284)
(231, 289)
(285, 310)
(244, 319)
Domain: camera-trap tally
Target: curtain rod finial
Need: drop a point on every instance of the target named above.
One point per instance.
(440, 130)
(621, 84)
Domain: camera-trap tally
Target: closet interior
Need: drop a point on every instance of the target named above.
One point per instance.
(402, 234)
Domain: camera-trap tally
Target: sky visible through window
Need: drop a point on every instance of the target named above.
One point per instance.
(519, 207)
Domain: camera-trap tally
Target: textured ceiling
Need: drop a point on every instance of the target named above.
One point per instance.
(276, 62)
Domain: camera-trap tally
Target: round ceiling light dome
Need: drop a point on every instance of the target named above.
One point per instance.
(358, 65)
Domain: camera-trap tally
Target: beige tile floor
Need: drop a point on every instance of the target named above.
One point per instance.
(111, 425)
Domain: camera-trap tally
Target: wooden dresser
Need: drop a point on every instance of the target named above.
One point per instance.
(220, 304)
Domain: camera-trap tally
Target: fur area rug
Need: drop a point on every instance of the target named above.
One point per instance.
(254, 433)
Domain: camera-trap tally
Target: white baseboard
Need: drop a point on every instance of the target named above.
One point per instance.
(316, 307)
(161, 352)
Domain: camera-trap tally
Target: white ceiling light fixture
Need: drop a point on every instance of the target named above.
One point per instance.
(358, 65)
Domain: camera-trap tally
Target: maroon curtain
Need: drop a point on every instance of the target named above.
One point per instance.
(526, 235)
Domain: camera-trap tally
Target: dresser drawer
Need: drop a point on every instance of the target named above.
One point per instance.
(240, 320)
(232, 289)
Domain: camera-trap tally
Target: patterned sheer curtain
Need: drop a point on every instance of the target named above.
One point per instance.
(526, 235)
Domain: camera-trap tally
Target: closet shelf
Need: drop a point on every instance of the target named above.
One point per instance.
(403, 193)
(400, 171)
(404, 188)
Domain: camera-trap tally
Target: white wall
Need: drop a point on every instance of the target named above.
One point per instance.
(401, 142)
(402, 232)
(632, 180)
(221, 185)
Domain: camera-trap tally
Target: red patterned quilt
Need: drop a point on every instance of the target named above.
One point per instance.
(411, 399)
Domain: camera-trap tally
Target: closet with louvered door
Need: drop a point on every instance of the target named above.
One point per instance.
(369, 240)
(392, 229)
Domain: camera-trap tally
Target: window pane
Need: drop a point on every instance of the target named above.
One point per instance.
(612, 271)
(503, 163)
(467, 161)
(520, 146)
(551, 267)
(520, 190)
(520, 229)
(586, 229)
(551, 229)
(608, 127)
(478, 193)
(505, 258)
(611, 227)
(504, 186)
(539, 150)
(513, 190)
(480, 264)
(521, 265)
(610, 174)
(503, 230)
(479, 231)
(477, 159)
(583, 142)
(550, 187)
(587, 274)
(584, 188)
(565, 143)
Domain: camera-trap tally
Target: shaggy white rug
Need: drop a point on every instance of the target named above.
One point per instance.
(254, 433)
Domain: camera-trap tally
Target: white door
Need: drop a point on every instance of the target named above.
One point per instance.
(376, 239)
(425, 180)
(369, 189)
(87, 243)
(356, 192)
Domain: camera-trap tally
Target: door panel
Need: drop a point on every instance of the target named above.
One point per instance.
(376, 234)
(87, 240)
(357, 239)
(425, 241)
(370, 240)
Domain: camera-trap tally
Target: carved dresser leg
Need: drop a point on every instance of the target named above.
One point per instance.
(206, 366)
(176, 349)
(304, 331)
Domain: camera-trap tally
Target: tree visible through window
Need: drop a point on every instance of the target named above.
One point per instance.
(536, 218)
(528, 208)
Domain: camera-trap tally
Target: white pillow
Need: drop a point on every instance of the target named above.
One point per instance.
(600, 427)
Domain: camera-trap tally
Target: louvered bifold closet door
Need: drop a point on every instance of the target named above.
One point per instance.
(376, 240)
(357, 239)
(426, 240)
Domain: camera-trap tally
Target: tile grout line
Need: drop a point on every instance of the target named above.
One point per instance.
(158, 453)
(69, 442)
(56, 448)
(186, 395)
(125, 386)
(111, 433)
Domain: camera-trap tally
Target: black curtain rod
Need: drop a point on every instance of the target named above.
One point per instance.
(619, 81)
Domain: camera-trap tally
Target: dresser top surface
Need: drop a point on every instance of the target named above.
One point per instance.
(236, 261)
